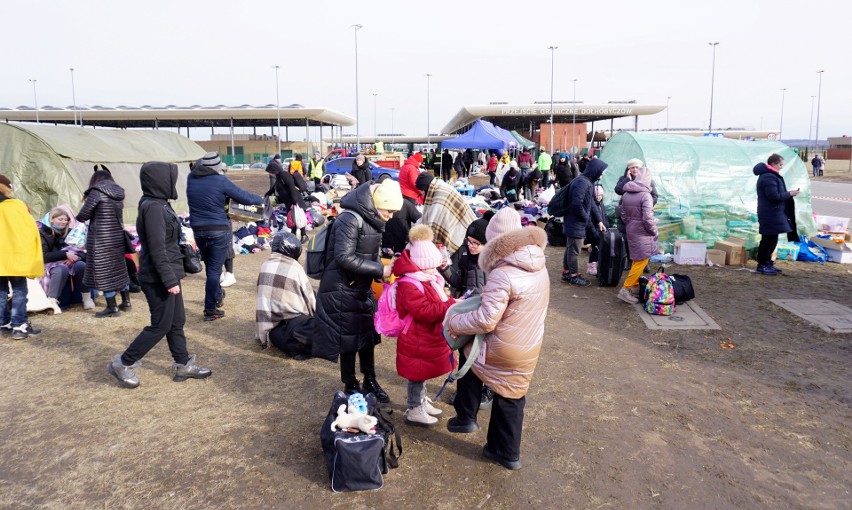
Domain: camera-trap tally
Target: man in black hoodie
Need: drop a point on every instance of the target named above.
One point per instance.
(160, 272)
(581, 197)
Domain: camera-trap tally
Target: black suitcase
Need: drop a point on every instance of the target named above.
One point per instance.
(611, 258)
(555, 235)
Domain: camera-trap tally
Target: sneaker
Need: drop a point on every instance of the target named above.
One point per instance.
(418, 417)
(627, 296)
(503, 461)
(190, 371)
(124, 374)
(88, 302)
(766, 269)
(459, 427)
(772, 265)
(54, 303)
(487, 398)
(578, 281)
(566, 277)
(6, 328)
(23, 331)
(212, 315)
(429, 408)
(592, 268)
(227, 280)
(221, 301)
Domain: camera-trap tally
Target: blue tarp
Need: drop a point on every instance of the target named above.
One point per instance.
(482, 135)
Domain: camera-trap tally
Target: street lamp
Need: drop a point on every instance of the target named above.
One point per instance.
(819, 96)
(552, 53)
(393, 131)
(375, 130)
(712, 85)
(574, 119)
(669, 98)
(781, 124)
(277, 108)
(811, 122)
(428, 107)
(357, 117)
(35, 98)
(73, 95)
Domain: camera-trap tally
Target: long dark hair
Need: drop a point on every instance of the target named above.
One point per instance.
(97, 177)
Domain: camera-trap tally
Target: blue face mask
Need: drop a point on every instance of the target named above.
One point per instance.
(57, 227)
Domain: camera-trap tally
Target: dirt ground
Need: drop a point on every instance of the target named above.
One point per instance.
(618, 416)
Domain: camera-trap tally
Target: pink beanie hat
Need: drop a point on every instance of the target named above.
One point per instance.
(506, 220)
(422, 250)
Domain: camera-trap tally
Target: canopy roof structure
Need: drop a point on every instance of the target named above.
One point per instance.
(482, 135)
(51, 165)
(527, 144)
(180, 116)
(707, 190)
(519, 116)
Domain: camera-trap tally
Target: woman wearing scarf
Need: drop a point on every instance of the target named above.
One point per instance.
(60, 261)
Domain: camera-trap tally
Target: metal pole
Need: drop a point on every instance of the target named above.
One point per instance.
(357, 111)
(712, 86)
(574, 119)
(393, 131)
(781, 124)
(233, 150)
(375, 129)
(428, 107)
(811, 122)
(35, 98)
(667, 113)
(277, 108)
(552, 57)
(73, 96)
(819, 97)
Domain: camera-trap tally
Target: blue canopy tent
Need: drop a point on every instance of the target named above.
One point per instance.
(481, 135)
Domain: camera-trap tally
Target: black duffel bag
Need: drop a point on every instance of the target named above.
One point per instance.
(555, 235)
(682, 286)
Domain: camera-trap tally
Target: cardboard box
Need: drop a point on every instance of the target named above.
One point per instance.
(837, 252)
(787, 251)
(717, 257)
(734, 248)
(690, 253)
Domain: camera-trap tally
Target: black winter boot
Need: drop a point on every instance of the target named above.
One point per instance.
(352, 387)
(125, 301)
(111, 309)
(371, 385)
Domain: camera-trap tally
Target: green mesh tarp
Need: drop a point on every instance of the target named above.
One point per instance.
(528, 144)
(51, 165)
(706, 185)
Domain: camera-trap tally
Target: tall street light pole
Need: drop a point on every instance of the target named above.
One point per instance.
(73, 95)
(574, 118)
(552, 57)
(277, 108)
(35, 98)
(428, 109)
(811, 123)
(781, 124)
(712, 86)
(357, 111)
(669, 98)
(393, 131)
(819, 97)
(375, 129)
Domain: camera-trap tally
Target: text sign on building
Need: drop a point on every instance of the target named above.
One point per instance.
(569, 110)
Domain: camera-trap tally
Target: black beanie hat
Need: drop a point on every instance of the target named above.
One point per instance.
(423, 181)
(476, 230)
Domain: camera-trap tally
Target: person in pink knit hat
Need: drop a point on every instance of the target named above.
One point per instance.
(421, 351)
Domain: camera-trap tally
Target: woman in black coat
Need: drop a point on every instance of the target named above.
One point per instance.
(564, 171)
(361, 170)
(345, 304)
(289, 190)
(160, 272)
(776, 211)
(105, 267)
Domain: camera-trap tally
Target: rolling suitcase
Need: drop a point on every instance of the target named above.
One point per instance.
(611, 258)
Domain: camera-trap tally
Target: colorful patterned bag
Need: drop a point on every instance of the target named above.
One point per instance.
(659, 295)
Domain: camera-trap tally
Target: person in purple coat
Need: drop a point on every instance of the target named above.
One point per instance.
(637, 212)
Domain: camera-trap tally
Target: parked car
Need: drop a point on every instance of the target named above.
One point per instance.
(258, 166)
(342, 165)
(238, 166)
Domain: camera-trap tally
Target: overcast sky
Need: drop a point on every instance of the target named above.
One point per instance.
(211, 52)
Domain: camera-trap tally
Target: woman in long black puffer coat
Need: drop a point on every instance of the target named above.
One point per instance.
(345, 303)
(105, 267)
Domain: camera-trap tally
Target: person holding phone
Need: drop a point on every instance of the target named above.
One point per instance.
(776, 212)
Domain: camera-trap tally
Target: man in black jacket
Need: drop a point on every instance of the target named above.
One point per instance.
(581, 197)
(775, 211)
(273, 168)
(446, 165)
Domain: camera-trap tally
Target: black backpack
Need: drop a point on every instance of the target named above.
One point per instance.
(317, 247)
(356, 462)
(558, 205)
(681, 285)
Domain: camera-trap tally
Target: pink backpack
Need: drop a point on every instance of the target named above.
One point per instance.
(387, 320)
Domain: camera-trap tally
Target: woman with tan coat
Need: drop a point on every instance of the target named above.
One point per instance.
(514, 306)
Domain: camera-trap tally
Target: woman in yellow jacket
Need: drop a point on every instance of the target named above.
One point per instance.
(20, 258)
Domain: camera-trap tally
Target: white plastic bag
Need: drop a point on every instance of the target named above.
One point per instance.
(547, 195)
(299, 218)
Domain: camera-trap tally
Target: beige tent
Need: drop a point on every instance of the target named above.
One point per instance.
(51, 165)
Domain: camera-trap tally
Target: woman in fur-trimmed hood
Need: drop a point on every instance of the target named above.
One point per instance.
(512, 313)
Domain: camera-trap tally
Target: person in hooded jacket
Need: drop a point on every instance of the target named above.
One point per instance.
(408, 177)
(105, 267)
(290, 190)
(633, 166)
(776, 211)
(208, 192)
(345, 302)
(361, 170)
(395, 236)
(273, 168)
(160, 273)
(463, 273)
(510, 183)
(446, 165)
(512, 316)
(565, 171)
(581, 197)
(637, 212)
(593, 237)
(532, 181)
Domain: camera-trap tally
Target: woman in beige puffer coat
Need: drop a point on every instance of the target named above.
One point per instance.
(512, 314)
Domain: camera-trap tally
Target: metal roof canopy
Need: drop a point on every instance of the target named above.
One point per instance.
(388, 139)
(519, 116)
(179, 116)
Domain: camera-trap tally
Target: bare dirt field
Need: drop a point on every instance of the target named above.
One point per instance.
(618, 416)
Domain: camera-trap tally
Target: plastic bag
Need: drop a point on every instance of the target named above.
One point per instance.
(809, 251)
(547, 195)
(76, 238)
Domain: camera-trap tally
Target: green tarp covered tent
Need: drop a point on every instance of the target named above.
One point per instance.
(51, 165)
(706, 185)
(527, 144)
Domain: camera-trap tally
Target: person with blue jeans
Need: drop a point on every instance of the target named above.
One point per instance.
(20, 258)
(208, 192)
